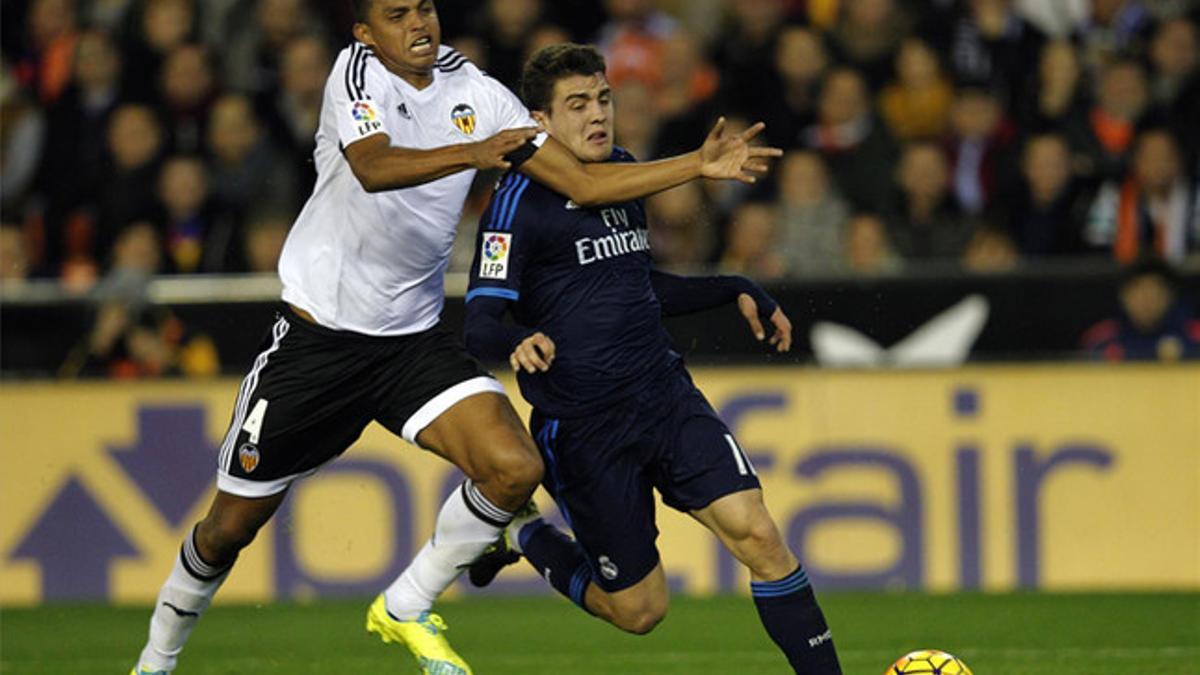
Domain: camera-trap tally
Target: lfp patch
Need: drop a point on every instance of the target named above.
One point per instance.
(493, 263)
(366, 120)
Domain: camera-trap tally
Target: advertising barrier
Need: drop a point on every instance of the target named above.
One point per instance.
(991, 478)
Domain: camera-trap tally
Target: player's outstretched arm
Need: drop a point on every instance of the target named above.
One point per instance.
(686, 295)
(379, 166)
(723, 156)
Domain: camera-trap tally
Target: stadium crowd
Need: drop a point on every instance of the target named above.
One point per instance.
(175, 136)
(984, 131)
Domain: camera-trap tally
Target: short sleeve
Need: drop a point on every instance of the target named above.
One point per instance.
(360, 94)
(504, 242)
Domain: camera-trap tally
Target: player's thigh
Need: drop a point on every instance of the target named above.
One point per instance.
(232, 523)
(601, 487)
(483, 436)
(744, 525)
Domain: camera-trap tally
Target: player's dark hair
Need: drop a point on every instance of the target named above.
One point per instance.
(551, 64)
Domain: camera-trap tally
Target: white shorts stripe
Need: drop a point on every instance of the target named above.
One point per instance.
(247, 392)
(743, 462)
(446, 400)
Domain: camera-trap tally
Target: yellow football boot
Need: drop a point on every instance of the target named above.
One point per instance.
(423, 636)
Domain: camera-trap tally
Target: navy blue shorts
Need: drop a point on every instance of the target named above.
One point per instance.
(602, 470)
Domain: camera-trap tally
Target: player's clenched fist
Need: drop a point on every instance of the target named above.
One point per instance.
(533, 355)
(489, 153)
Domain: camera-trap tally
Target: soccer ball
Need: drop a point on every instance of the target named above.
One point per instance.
(929, 661)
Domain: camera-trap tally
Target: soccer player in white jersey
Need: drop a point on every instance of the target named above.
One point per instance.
(405, 123)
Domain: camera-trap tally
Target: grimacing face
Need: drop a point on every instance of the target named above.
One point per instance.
(405, 36)
(581, 116)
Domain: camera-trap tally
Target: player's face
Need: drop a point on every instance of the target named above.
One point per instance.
(405, 35)
(581, 116)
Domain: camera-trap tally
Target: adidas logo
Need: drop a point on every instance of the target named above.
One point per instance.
(572, 206)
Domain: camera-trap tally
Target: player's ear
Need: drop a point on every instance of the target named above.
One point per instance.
(540, 117)
(362, 33)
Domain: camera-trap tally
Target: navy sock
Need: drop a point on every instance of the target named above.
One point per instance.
(558, 558)
(788, 609)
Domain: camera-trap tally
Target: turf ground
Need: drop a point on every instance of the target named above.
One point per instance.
(1021, 634)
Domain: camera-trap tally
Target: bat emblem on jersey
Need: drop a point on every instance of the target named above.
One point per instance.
(463, 117)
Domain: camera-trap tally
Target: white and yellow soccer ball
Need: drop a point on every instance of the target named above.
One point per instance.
(928, 662)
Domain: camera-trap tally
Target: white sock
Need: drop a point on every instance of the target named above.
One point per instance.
(188, 591)
(467, 523)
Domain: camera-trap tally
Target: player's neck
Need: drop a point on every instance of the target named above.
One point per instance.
(419, 79)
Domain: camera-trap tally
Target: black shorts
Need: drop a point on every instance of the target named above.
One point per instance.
(602, 470)
(312, 390)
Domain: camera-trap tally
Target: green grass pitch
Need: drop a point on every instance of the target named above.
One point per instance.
(1018, 634)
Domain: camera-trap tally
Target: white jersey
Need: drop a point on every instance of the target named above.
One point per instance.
(374, 263)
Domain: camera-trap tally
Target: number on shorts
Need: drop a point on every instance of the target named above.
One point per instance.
(253, 425)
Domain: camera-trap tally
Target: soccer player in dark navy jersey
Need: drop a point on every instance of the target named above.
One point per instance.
(615, 414)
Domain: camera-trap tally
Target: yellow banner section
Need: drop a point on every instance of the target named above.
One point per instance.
(1055, 477)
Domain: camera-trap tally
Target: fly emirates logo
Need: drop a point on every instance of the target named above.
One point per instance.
(592, 249)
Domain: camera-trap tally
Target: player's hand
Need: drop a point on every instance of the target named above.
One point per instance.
(781, 340)
(730, 156)
(489, 153)
(533, 355)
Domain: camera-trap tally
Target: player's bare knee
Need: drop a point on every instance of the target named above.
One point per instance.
(640, 620)
(761, 548)
(514, 472)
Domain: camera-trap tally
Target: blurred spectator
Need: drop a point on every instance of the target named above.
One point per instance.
(22, 135)
(76, 149)
(632, 40)
(992, 44)
(196, 236)
(813, 217)
(1105, 136)
(681, 227)
(801, 60)
(868, 248)
(127, 189)
(107, 15)
(188, 88)
(129, 338)
(1152, 323)
(14, 255)
(46, 68)
(159, 28)
(252, 50)
(980, 149)
(543, 36)
(989, 251)
(1175, 84)
(917, 104)
(507, 27)
(925, 222)
(685, 104)
(853, 143)
(868, 36)
(1058, 19)
(1058, 96)
(248, 173)
(294, 113)
(1048, 210)
(1150, 212)
(745, 52)
(750, 243)
(263, 243)
(1114, 28)
(636, 129)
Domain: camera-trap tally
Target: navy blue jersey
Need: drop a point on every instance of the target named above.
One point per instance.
(582, 276)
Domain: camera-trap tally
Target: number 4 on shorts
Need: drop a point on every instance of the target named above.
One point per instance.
(253, 425)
